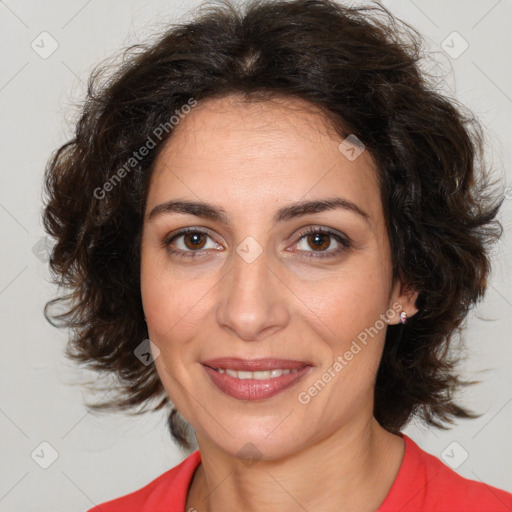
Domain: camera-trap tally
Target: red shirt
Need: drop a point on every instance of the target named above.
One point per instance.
(423, 484)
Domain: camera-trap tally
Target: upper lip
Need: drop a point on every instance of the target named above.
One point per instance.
(234, 363)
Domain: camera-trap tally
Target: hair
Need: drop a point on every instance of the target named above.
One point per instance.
(361, 67)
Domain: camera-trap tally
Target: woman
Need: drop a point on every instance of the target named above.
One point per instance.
(278, 199)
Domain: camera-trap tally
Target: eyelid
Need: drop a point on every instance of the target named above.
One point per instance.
(324, 230)
(183, 231)
(341, 238)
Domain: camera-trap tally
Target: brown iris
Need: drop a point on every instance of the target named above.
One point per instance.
(195, 240)
(318, 238)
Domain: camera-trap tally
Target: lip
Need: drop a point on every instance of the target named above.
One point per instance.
(254, 365)
(254, 389)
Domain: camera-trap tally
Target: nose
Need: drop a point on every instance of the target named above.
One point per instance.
(253, 300)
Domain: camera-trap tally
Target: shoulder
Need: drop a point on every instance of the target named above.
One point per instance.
(166, 493)
(427, 484)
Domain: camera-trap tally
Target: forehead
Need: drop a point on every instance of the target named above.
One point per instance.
(267, 151)
(278, 124)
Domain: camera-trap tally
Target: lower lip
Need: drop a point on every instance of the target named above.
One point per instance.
(254, 389)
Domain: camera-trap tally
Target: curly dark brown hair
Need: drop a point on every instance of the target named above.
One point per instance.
(360, 66)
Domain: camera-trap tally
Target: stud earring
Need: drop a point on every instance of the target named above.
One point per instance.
(403, 317)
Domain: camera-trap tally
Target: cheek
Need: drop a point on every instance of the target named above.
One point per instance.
(348, 320)
(351, 301)
(169, 311)
(174, 307)
(160, 299)
(348, 311)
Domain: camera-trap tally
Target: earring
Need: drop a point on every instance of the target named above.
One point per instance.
(403, 317)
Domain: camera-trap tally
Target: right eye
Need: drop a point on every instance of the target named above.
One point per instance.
(188, 243)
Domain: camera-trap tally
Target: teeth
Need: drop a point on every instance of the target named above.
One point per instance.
(259, 375)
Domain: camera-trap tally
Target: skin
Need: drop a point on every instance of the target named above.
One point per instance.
(252, 159)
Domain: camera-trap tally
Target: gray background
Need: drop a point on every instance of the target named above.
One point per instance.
(102, 457)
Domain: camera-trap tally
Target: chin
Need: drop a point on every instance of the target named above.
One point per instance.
(254, 442)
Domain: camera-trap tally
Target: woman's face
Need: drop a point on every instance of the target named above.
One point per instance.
(250, 283)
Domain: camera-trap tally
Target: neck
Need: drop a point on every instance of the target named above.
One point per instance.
(351, 470)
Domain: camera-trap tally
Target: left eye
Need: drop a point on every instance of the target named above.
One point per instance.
(321, 242)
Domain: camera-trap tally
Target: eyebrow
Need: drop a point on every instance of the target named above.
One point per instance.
(299, 209)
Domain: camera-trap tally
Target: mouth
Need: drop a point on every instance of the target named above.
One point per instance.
(256, 379)
(258, 375)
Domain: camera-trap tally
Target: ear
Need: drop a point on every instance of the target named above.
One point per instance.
(403, 298)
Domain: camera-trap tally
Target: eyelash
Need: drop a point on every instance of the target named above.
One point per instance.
(343, 241)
